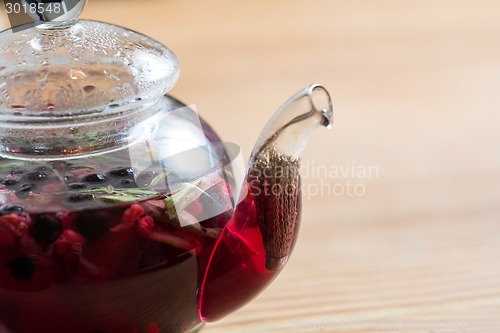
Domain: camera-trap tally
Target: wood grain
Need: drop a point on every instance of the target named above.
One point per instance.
(416, 89)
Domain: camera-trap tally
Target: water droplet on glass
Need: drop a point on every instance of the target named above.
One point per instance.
(110, 189)
(28, 95)
(42, 76)
(128, 62)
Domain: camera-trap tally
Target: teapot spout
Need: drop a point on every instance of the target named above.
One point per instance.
(273, 172)
(292, 124)
(256, 243)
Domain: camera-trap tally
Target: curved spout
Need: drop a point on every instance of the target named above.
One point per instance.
(273, 171)
(256, 243)
(290, 127)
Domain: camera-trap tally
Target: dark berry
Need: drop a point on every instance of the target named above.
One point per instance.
(27, 187)
(25, 190)
(79, 197)
(35, 176)
(22, 268)
(121, 172)
(69, 179)
(17, 171)
(125, 183)
(46, 229)
(11, 209)
(77, 186)
(9, 181)
(92, 226)
(94, 178)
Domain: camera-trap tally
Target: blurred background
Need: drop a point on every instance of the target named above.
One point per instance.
(401, 214)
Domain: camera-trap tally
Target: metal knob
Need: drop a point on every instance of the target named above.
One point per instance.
(54, 11)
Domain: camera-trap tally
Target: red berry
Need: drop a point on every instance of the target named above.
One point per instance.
(132, 214)
(145, 226)
(71, 237)
(17, 223)
(68, 261)
(153, 328)
(68, 239)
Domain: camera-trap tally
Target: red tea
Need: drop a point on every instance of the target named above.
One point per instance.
(86, 246)
(83, 249)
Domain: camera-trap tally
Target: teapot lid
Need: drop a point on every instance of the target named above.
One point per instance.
(70, 88)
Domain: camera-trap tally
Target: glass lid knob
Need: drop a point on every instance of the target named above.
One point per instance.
(54, 11)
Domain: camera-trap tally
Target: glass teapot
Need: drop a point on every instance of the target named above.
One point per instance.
(121, 209)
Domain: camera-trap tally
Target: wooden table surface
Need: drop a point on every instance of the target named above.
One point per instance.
(414, 245)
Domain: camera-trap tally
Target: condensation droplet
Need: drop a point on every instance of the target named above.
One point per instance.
(4, 94)
(128, 62)
(42, 76)
(110, 189)
(28, 95)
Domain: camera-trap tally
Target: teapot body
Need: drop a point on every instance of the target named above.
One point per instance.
(109, 244)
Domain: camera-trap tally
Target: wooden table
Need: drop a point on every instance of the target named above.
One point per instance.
(416, 88)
